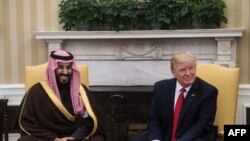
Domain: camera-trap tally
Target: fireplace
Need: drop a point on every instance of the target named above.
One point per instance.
(121, 107)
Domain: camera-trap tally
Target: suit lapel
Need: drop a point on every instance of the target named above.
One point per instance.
(168, 99)
(191, 95)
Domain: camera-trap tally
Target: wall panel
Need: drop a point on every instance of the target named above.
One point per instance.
(244, 52)
(6, 43)
(20, 41)
(27, 32)
(1, 43)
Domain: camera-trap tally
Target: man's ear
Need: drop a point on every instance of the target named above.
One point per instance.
(173, 72)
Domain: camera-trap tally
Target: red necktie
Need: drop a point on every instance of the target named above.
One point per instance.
(177, 113)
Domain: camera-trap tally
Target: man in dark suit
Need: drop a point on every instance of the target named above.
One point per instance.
(196, 113)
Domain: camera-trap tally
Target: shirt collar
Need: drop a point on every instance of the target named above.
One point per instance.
(179, 87)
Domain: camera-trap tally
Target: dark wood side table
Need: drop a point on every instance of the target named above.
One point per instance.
(3, 119)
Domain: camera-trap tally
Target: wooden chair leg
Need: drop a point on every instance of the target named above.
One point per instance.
(6, 137)
(4, 119)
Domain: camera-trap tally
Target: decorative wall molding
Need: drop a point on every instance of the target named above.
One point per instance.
(243, 103)
(13, 93)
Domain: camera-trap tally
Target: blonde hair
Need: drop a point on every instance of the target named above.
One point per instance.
(182, 56)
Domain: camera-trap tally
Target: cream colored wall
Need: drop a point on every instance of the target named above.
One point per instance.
(238, 15)
(18, 47)
(18, 20)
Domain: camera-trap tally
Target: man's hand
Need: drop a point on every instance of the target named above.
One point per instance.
(64, 139)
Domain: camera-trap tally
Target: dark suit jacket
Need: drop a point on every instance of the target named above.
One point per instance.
(197, 114)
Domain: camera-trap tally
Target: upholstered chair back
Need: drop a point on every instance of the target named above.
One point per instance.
(226, 80)
(35, 74)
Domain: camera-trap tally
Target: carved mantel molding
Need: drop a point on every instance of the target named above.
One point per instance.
(146, 44)
(140, 34)
(141, 57)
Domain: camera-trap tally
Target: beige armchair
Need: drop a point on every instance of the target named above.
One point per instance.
(35, 74)
(226, 80)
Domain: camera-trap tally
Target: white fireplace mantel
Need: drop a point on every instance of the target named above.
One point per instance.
(132, 52)
(140, 34)
(224, 38)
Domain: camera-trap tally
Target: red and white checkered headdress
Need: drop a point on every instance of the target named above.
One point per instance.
(65, 57)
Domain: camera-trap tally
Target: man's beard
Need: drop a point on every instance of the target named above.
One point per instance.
(63, 84)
